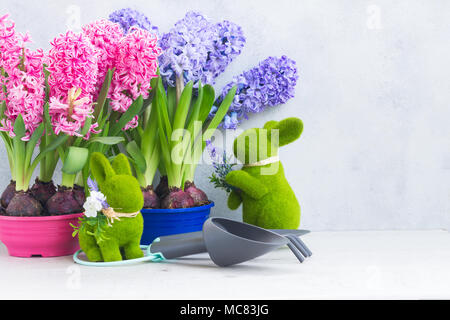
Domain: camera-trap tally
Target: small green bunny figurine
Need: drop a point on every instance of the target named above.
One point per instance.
(268, 200)
(124, 197)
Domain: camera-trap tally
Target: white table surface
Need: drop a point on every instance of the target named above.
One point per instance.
(345, 265)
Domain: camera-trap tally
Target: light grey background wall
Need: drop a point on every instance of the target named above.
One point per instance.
(373, 94)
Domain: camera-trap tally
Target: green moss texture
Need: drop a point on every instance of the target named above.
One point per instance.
(267, 198)
(124, 194)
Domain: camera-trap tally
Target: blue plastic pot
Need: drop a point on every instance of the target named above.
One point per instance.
(167, 222)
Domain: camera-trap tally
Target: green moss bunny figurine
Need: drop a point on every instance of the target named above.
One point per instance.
(268, 200)
(115, 224)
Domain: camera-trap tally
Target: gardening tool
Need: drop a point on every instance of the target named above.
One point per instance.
(199, 234)
(228, 242)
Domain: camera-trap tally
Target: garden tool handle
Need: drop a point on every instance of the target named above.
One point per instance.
(199, 234)
(183, 236)
(177, 248)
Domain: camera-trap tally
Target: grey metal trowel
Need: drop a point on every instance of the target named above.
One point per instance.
(229, 242)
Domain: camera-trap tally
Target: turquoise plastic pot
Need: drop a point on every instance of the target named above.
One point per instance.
(167, 222)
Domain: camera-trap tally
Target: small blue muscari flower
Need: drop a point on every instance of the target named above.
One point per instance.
(212, 150)
(222, 166)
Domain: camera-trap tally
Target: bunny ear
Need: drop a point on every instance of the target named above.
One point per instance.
(100, 167)
(290, 129)
(270, 125)
(121, 165)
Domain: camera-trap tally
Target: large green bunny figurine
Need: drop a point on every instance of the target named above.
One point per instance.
(268, 200)
(124, 197)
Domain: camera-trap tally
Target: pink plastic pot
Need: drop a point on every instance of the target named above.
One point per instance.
(39, 236)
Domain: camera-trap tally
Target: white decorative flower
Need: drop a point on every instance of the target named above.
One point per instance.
(94, 204)
(99, 196)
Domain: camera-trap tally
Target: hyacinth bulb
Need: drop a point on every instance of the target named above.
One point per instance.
(8, 194)
(63, 202)
(177, 199)
(200, 198)
(151, 199)
(23, 204)
(79, 194)
(42, 191)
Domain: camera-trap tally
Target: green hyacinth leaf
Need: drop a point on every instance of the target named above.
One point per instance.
(107, 140)
(129, 115)
(136, 154)
(103, 94)
(19, 127)
(207, 103)
(221, 112)
(75, 160)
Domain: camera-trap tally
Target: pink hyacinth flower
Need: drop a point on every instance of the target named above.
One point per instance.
(136, 64)
(22, 78)
(104, 36)
(69, 117)
(73, 66)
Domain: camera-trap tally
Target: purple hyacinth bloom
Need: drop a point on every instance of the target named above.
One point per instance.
(228, 44)
(231, 121)
(269, 84)
(197, 49)
(128, 18)
(186, 48)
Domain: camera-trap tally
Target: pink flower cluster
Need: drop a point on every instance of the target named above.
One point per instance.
(73, 65)
(104, 36)
(136, 64)
(134, 58)
(22, 80)
(77, 66)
